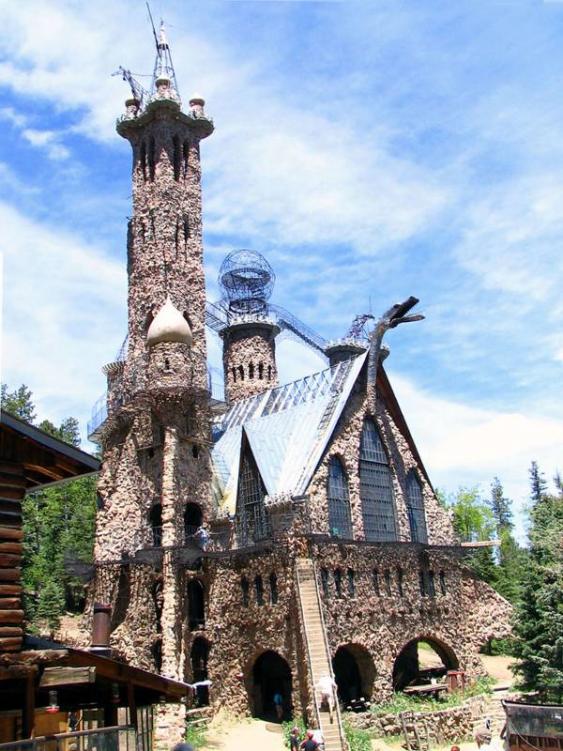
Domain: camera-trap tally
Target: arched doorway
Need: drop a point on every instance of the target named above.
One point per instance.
(421, 660)
(270, 675)
(199, 656)
(192, 519)
(196, 604)
(354, 673)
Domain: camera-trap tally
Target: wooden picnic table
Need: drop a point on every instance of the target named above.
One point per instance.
(426, 688)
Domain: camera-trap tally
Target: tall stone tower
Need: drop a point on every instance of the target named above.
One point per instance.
(154, 488)
(249, 339)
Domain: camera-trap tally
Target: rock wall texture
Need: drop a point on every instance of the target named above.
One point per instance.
(249, 359)
(345, 445)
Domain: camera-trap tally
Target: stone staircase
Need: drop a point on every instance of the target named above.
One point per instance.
(317, 649)
(494, 711)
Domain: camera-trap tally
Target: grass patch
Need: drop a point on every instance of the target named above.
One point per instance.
(196, 734)
(407, 703)
(287, 727)
(358, 740)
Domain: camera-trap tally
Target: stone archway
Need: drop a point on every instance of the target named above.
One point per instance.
(271, 674)
(199, 655)
(196, 604)
(354, 673)
(409, 668)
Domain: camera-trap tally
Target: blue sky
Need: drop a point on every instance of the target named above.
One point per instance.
(370, 150)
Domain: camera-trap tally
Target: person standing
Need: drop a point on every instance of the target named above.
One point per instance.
(278, 704)
(294, 739)
(309, 744)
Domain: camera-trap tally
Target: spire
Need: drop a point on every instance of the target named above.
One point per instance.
(164, 84)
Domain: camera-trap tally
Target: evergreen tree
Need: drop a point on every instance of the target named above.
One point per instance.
(51, 603)
(68, 431)
(510, 556)
(18, 402)
(500, 507)
(473, 521)
(538, 483)
(539, 617)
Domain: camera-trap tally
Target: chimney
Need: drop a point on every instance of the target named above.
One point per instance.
(101, 629)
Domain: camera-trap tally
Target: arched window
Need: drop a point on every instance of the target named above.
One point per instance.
(234, 374)
(351, 582)
(376, 491)
(338, 582)
(251, 371)
(415, 509)
(375, 579)
(269, 372)
(259, 589)
(241, 372)
(260, 370)
(196, 604)
(177, 157)
(400, 579)
(387, 577)
(273, 589)
(252, 519)
(186, 154)
(339, 520)
(155, 518)
(192, 519)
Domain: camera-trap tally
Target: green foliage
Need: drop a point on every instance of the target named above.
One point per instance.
(287, 727)
(58, 525)
(68, 431)
(358, 740)
(196, 734)
(401, 702)
(538, 483)
(18, 402)
(503, 647)
(50, 603)
(539, 617)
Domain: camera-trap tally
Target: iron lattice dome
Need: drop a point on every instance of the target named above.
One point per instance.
(247, 281)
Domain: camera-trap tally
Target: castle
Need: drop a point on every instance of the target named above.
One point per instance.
(328, 551)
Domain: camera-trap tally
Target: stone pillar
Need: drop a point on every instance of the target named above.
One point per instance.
(249, 357)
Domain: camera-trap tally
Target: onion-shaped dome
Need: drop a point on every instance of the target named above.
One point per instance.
(169, 325)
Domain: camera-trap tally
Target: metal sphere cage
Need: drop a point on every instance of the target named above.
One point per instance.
(247, 281)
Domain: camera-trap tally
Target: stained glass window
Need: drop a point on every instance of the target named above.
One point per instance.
(339, 519)
(376, 491)
(415, 509)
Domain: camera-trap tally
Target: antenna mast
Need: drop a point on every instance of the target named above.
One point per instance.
(163, 65)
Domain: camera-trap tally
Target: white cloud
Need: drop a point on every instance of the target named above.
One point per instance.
(47, 140)
(64, 305)
(465, 445)
(12, 116)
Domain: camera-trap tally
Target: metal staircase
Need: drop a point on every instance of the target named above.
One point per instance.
(318, 653)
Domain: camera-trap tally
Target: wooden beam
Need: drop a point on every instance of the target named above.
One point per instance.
(50, 472)
(10, 589)
(28, 713)
(9, 533)
(11, 616)
(10, 643)
(10, 575)
(11, 494)
(481, 544)
(59, 676)
(9, 603)
(11, 547)
(11, 518)
(9, 560)
(11, 631)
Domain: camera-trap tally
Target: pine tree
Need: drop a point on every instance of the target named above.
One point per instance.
(538, 483)
(539, 617)
(51, 603)
(18, 402)
(500, 507)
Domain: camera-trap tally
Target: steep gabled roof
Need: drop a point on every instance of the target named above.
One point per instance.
(288, 429)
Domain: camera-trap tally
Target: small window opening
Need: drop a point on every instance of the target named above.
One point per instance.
(186, 155)
(324, 582)
(155, 519)
(151, 453)
(375, 579)
(251, 370)
(143, 160)
(234, 374)
(241, 372)
(431, 584)
(261, 371)
(244, 588)
(387, 577)
(187, 232)
(273, 589)
(166, 364)
(351, 583)
(269, 372)
(443, 589)
(152, 158)
(338, 582)
(400, 582)
(422, 583)
(177, 157)
(259, 588)
(195, 451)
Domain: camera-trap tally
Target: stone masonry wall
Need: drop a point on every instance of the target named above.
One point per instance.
(249, 360)
(346, 445)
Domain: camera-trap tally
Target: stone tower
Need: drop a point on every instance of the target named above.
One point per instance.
(154, 487)
(249, 346)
